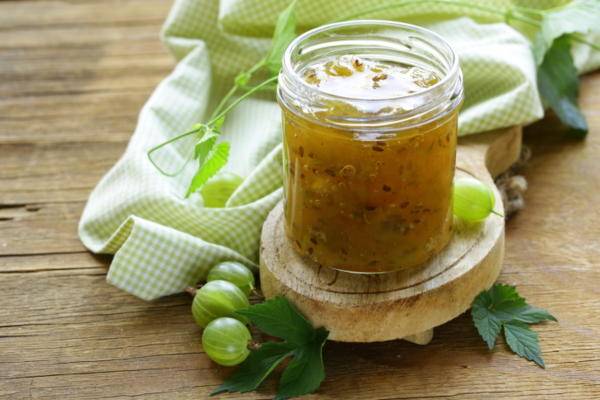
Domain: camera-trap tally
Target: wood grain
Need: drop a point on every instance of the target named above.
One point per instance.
(66, 334)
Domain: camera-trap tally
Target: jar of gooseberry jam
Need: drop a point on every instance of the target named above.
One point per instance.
(369, 133)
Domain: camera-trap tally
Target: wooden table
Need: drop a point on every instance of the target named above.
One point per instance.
(73, 76)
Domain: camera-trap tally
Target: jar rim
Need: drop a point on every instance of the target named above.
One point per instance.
(454, 63)
(427, 104)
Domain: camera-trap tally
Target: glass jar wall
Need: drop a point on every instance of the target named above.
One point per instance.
(369, 129)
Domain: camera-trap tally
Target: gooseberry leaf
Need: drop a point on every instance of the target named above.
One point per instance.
(278, 317)
(523, 341)
(501, 307)
(304, 373)
(487, 324)
(504, 296)
(559, 85)
(285, 32)
(486, 307)
(577, 16)
(529, 314)
(255, 369)
(211, 163)
(204, 145)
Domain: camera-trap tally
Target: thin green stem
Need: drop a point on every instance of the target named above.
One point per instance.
(490, 10)
(579, 39)
(372, 10)
(163, 144)
(264, 88)
(257, 66)
(541, 12)
(510, 14)
(219, 112)
(235, 88)
(497, 213)
(242, 97)
(224, 100)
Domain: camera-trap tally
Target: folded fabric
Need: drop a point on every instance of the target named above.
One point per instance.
(164, 242)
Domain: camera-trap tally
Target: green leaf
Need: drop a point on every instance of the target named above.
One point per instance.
(215, 159)
(577, 16)
(502, 307)
(505, 296)
(486, 323)
(501, 304)
(278, 317)
(285, 32)
(487, 309)
(532, 315)
(305, 372)
(205, 145)
(255, 369)
(523, 341)
(559, 85)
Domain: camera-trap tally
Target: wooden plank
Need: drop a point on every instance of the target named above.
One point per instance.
(87, 99)
(84, 14)
(81, 338)
(80, 334)
(31, 174)
(117, 103)
(46, 77)
(61, 129)
(66, 334)
(83, 260)
(40, 228)
(75, 35)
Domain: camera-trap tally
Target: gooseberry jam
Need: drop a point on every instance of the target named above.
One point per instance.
(369, 130)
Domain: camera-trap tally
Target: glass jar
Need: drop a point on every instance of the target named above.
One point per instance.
(368, 163)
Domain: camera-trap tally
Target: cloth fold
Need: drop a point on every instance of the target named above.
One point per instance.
(163, 242)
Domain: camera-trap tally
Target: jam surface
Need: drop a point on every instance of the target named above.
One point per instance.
(362, 200)
(361, 78)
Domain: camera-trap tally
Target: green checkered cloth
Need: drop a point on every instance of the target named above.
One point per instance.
(163, 242)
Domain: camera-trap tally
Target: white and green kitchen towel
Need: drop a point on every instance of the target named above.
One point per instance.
(163, 242)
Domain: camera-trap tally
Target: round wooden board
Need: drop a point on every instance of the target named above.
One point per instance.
(405, 304)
